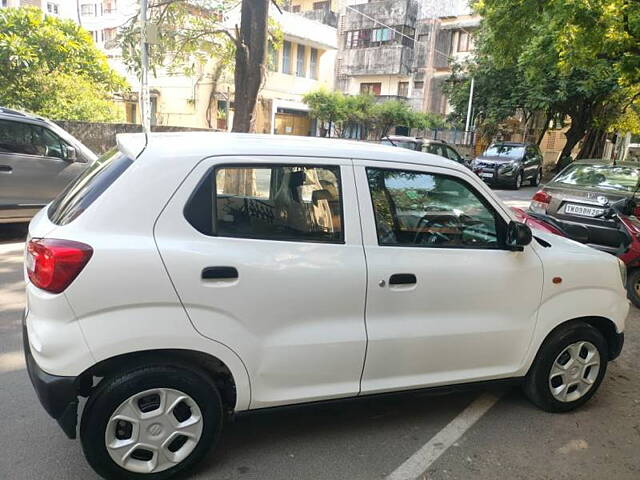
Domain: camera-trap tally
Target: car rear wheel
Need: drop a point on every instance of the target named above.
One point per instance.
(633, 287)
(535, 181)
(151, 422)
(568, 368)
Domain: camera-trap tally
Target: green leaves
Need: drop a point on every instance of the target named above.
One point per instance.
(51, 67)
(344, 111)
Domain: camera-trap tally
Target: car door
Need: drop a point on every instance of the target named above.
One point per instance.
(268, 261)
(447, 302)
(531, 162)
(32, 170)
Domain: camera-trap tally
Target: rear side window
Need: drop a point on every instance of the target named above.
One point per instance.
(80, 194)
(275, 202)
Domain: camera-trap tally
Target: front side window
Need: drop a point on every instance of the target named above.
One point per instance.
(283, 202)
(26, 139)
(416, 209)
(453, 155)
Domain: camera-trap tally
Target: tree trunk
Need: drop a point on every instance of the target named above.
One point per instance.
(593, 146)
(251, 42)
(217, 72)
(549, 117)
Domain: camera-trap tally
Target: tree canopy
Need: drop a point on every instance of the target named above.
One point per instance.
(576, 59)
(51, 67)
(343, 113)
(194, 38)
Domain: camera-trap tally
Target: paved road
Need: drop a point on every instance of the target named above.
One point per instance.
(363, 439)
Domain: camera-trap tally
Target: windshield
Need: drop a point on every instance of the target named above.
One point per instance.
(510, 151)
(603, 177)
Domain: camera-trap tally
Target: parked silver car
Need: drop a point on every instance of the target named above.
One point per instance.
(37, 160)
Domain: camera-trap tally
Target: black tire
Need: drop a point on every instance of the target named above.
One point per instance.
(632, 292)
(518, 180)
(536, 384)
(535, 181)
(112, 391)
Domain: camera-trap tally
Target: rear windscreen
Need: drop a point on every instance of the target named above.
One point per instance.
(81, 193)
(600, 177)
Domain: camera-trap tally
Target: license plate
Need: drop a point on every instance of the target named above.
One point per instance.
(581, 210)
(486, 175)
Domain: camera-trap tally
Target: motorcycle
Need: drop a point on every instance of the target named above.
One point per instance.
(627, 225)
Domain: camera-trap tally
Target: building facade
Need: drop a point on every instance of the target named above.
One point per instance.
(403, 49)
(304, 62)
(60, 8)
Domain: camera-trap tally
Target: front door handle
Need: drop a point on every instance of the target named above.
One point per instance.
(5, 169)
(219, 273)
(403, 279)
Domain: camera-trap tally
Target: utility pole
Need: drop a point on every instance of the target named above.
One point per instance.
(468, 123)
(145, 103)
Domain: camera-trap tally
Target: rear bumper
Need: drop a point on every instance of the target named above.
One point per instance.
(58, 395)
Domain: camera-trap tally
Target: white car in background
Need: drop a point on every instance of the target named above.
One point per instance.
(185, 277)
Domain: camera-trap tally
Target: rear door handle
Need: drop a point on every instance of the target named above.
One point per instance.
(5, 169)
(219, 273)
(403, 279)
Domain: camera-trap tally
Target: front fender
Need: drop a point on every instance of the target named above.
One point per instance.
(573, 304)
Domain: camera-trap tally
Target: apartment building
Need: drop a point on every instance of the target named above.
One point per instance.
(303, 63)
(403, 49)
(59, 8)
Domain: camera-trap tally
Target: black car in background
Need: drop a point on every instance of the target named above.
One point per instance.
(436, 147)
(510, 164)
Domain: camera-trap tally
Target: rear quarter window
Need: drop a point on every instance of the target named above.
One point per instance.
(81, 193)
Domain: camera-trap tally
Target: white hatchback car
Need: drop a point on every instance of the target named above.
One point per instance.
(188, 276)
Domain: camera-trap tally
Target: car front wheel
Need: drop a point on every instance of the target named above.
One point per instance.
(152, 422)
(535, 181)
(517, 182)
(568, 369)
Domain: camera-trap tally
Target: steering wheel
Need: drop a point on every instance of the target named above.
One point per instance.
(439, 221)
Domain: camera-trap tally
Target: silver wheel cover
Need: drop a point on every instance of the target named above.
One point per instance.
(146, 436)
(574, 371)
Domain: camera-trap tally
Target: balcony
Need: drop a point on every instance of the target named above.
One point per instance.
(323, 15)
(392, 59)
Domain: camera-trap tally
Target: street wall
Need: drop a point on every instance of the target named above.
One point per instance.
(100, 137)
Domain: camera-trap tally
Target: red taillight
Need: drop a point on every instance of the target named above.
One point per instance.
(53, 264)
(540, 202)
(542, 197)
(636, 212)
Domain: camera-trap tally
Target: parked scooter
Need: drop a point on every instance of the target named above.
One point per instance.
(620, 212)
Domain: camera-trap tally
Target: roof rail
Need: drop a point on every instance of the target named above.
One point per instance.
(12, 112)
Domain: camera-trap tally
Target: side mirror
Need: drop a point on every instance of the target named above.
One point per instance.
(69, 153)
(518, 236)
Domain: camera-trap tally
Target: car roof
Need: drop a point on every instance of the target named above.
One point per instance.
(603, 162)
(16, 114)
(205, 144)
(511, 144)
(401, 138)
